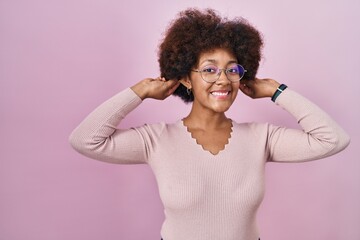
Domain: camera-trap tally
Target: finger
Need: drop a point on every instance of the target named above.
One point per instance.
(171, 83)
(175, 84)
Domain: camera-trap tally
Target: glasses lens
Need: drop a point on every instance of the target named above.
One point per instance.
(210, 73)
(235, 72)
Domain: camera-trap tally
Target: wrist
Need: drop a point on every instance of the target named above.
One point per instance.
(140, 90)
(278, 91)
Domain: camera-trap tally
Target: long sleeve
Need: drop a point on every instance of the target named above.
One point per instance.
(320, 136)
(97, 136)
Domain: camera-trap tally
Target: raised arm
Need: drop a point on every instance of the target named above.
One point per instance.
(97, 135)
(320, 136)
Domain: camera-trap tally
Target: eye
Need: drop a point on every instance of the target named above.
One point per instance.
(233, 70)
(209, 69)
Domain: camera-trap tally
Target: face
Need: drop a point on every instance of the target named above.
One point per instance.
(216, 97)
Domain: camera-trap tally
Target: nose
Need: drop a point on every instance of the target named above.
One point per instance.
(222, 77)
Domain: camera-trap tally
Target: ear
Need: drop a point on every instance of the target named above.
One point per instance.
(186, 82)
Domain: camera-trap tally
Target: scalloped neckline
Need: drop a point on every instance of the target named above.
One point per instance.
(220, 150)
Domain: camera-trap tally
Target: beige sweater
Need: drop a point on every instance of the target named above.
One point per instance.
(206, 196)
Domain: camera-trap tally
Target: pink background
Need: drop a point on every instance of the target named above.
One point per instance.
(59, 59)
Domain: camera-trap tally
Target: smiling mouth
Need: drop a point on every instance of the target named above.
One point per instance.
(220, 94)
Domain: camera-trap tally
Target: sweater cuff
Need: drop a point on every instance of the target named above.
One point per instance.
(132, 100)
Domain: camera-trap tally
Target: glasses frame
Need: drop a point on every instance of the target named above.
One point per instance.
(219, 71)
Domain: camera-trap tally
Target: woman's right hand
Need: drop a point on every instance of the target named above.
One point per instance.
(157, 88)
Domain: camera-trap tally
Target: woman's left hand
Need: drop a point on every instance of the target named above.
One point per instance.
(259, 88)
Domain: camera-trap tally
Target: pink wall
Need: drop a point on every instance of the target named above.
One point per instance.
(61, 58)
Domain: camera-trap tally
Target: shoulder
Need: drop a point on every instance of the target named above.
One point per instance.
(251, 126)
(253, 129)
(158, 129)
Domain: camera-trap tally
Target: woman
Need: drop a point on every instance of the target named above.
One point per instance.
(209, 168)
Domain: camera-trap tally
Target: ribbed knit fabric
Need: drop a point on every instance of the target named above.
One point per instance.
(206, 196)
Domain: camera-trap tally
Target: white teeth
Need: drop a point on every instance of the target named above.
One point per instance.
(220, 93)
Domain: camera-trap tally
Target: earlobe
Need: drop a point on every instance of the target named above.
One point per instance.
(186, 82)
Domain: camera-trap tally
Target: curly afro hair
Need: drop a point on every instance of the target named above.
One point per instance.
(195, 32)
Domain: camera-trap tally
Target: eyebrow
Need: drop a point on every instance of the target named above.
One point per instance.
(214, 61)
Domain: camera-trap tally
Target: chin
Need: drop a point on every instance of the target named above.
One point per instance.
(221, 109)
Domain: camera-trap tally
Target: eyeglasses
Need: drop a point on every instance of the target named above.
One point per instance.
(211, 73)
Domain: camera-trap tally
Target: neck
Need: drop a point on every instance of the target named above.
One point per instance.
(205, 120)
